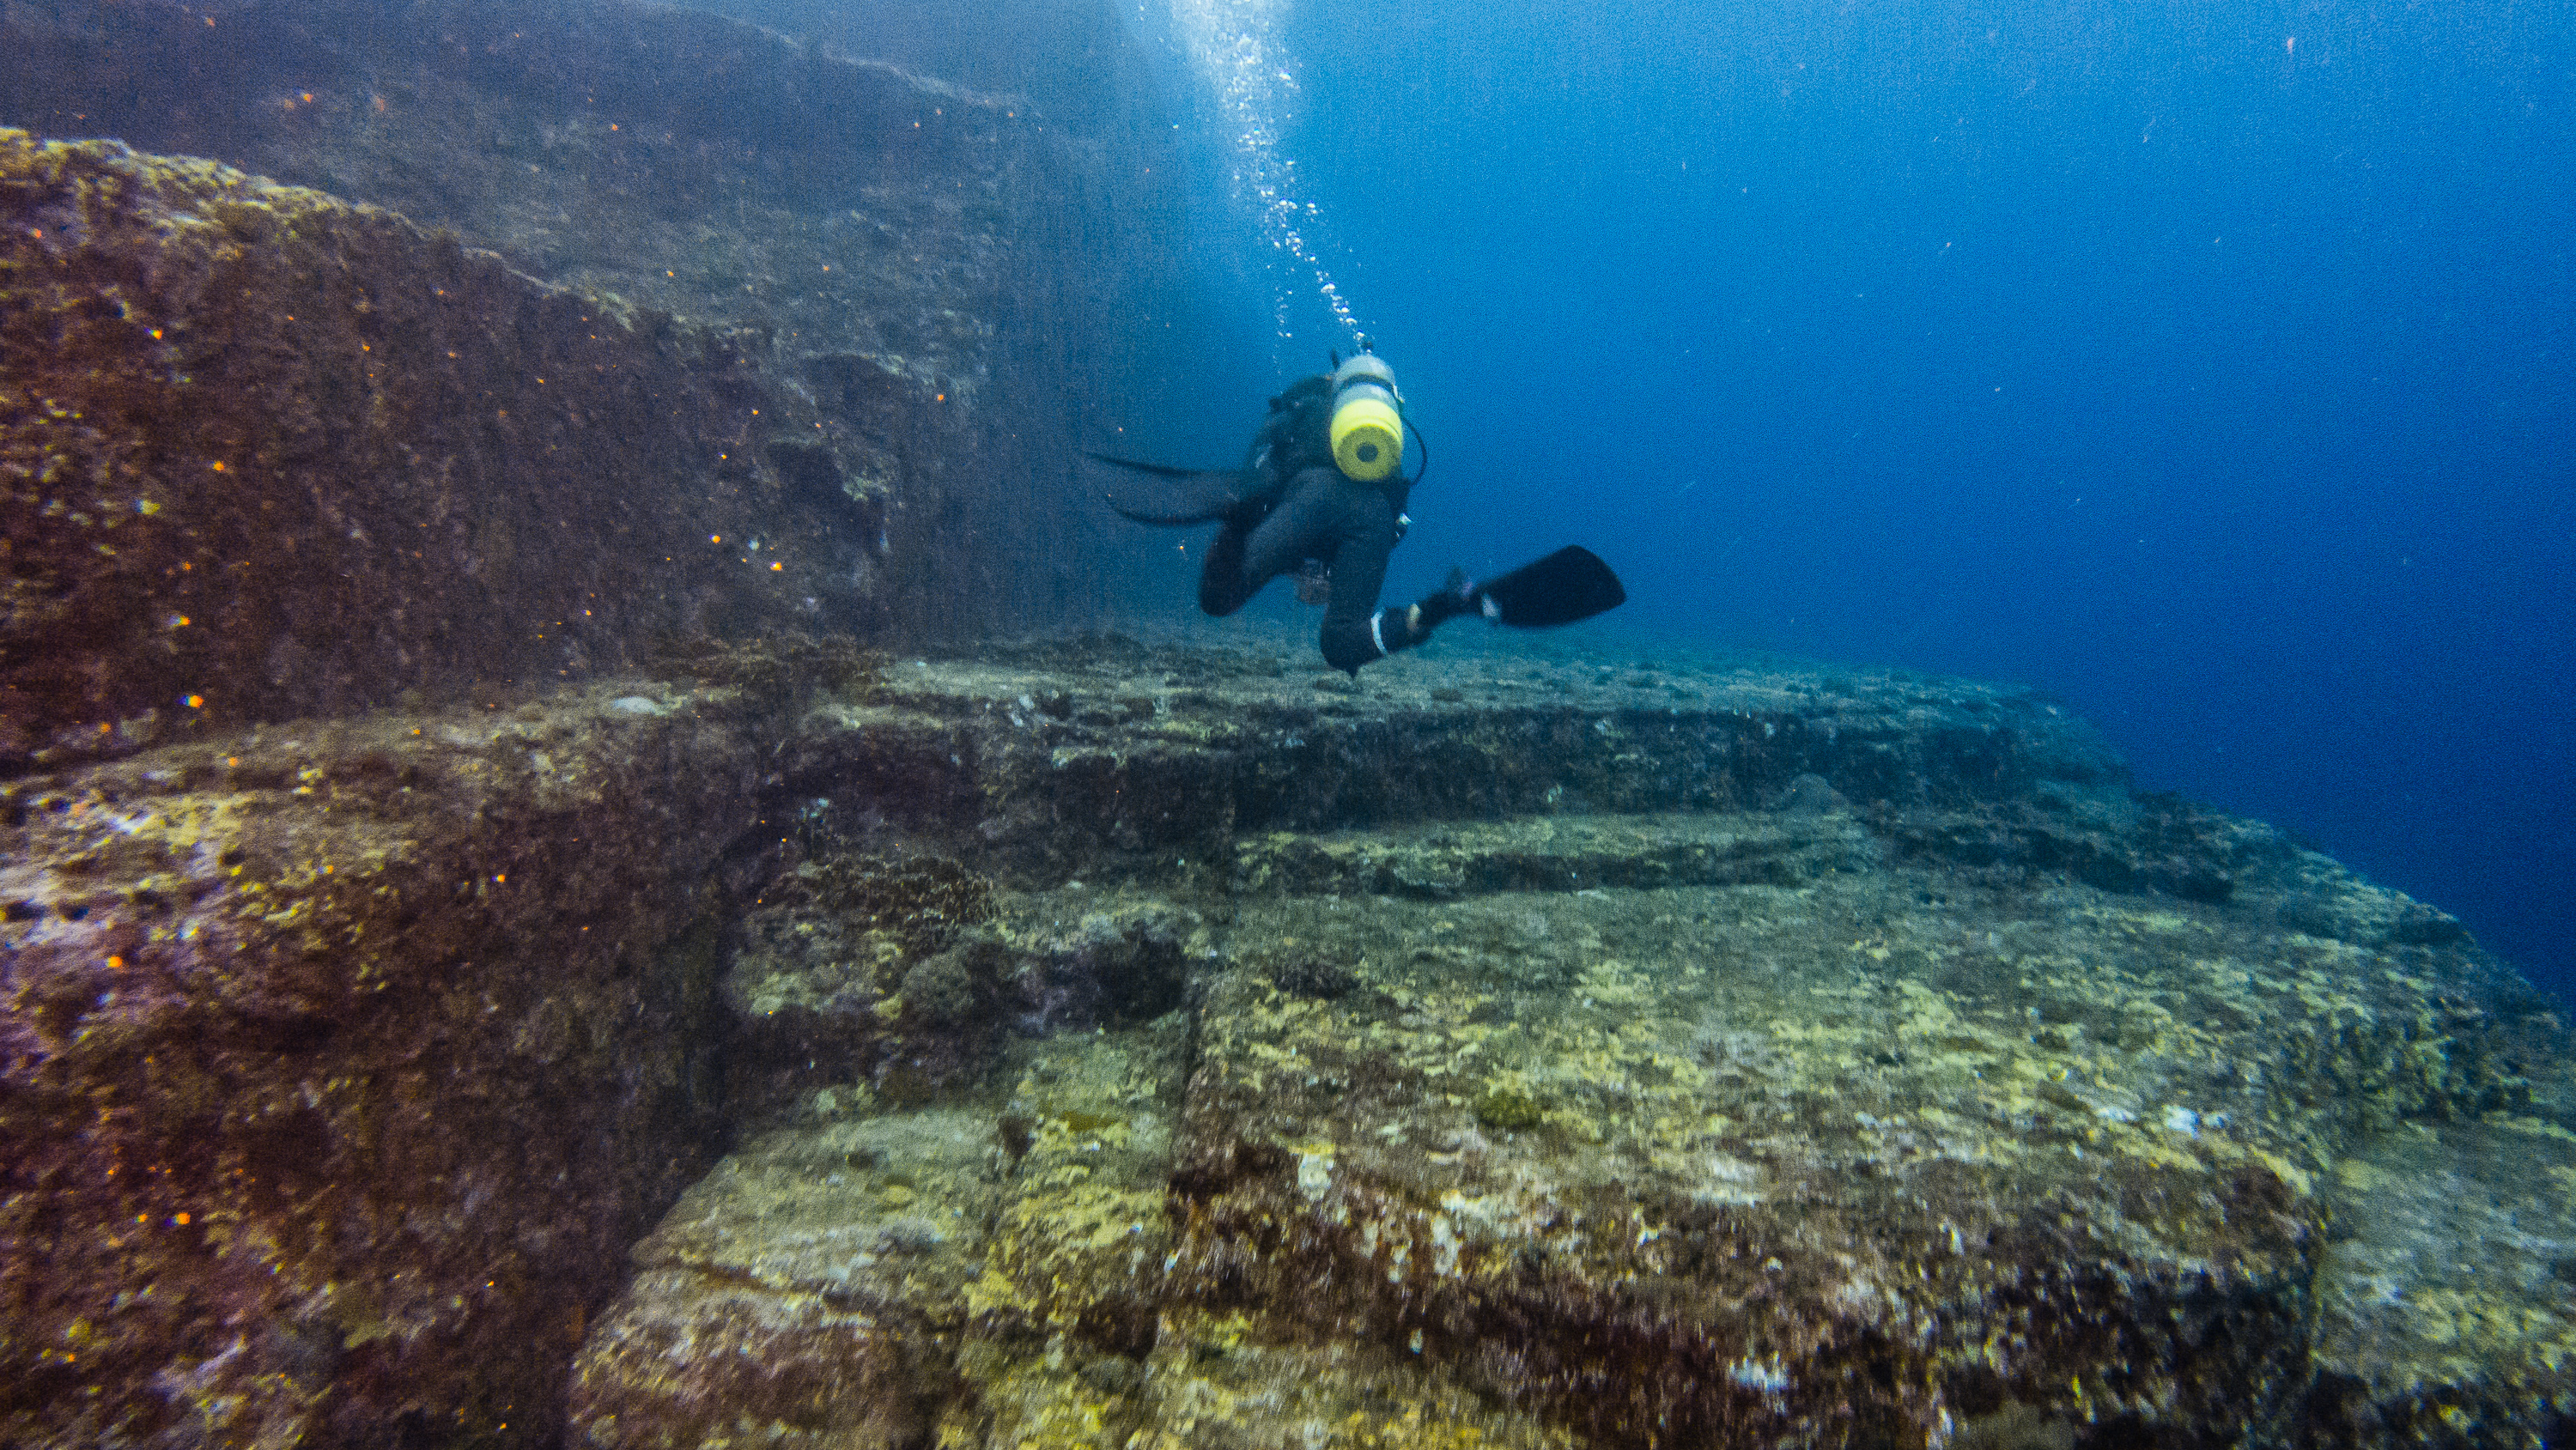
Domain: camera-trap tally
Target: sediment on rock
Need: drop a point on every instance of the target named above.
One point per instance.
(426, 473)
(1126, 1043)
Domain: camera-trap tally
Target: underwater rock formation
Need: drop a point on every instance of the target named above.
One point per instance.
(1130, 1043)
(342, 1061)
(1114, 1045)
(267, 454)
(679, 326)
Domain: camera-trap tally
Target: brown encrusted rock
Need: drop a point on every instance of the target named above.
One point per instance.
(860, 967)
(813, 1286)
(859, 1274)
(340, 1063)
(803, 271)
(1096, 757)
(1848, 1108)
(1938, 1107)
(1759, 1165)
(264, 454)
(690, 1357)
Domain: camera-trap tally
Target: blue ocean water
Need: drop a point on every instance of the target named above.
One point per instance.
(2212, 366)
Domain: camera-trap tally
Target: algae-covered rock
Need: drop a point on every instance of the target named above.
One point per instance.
(905, 972)
(668, 325)
(1953, 1105)
(264, 453)
(1126, 1047)
(341, 1061)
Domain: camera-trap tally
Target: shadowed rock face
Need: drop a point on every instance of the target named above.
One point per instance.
(266, 453)
(341, 1061)
(662, 287)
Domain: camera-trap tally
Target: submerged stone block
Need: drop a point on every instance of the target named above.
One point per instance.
(1746, 1164)
(1842, 1110)
(665, 317)
(265, 453)
(340, 1062)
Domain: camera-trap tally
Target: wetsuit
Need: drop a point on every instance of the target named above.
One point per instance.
(1305, 508)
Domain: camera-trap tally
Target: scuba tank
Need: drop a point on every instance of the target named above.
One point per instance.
(1367, 429)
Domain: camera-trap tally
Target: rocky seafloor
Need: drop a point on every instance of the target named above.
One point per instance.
(1097, 1043)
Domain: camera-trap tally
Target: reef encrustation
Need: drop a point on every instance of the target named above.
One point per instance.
(1122, 1042)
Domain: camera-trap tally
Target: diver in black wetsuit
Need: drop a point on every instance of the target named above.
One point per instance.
(1324, 484)
(1321, 513)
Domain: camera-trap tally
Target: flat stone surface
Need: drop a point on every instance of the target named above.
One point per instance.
(1756, 1162)
(1122, 1041)
(1971, 1100)
(2444, 1304)
(1560, 853)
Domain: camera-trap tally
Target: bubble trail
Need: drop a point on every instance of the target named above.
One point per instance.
(1234, 46)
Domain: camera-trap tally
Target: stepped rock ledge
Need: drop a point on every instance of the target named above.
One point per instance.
(510, 937)
(1099, 1043)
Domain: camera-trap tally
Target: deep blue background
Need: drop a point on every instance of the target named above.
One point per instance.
(2206, 364)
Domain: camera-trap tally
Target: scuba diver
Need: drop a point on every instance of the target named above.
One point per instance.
(1322, 495)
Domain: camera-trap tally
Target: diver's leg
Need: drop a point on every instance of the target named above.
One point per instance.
(1363, 535)
(1241, 560)
(1222, 587)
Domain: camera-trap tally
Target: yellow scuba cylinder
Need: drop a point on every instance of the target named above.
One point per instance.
(1368, 419)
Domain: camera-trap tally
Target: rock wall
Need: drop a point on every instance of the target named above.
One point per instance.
(663, 287)
(341, 1063)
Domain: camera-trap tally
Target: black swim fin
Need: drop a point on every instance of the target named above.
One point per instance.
(1568, 585)
(1184, 496)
